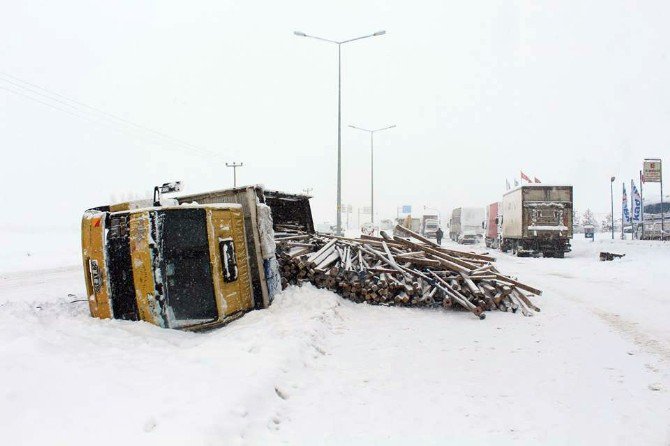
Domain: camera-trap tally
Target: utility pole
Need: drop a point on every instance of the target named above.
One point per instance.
(234, 166)
(307, 190)
(339, 44)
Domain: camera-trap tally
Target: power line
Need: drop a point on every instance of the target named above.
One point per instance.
(97, 110)
(116, 129)
(81, 107)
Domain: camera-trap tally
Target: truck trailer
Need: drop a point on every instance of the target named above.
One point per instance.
(537, 219)
(466, 225)
(492, 236)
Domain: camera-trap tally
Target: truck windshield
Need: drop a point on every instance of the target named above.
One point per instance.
(186, 270)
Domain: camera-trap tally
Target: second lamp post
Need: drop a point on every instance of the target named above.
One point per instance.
(372, 166)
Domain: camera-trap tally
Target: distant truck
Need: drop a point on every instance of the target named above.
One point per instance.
(493, 220)
(466, 225)
(429, 225)
(537, 219)
(408, 222)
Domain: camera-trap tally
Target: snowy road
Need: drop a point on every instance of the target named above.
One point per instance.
(592, 368)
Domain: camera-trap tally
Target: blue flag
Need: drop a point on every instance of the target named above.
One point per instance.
(625, 215)
(637, 203)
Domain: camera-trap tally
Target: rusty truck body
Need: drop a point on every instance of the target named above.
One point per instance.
(537, 219)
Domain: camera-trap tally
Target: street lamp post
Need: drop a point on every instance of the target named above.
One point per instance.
(339, 113)
(612, 202)
(372, 165)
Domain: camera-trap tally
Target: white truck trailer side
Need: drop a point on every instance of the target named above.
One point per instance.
(467, 225)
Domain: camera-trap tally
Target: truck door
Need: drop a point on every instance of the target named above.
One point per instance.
(228, 253)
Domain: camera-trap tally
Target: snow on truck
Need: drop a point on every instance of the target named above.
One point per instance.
(466, 225)
(537, 219)
(429, 225)
(194, 262)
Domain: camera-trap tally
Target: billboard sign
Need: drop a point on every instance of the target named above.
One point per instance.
(407, 209)
(652, 171)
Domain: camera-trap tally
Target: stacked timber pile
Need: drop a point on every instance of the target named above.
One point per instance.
(400, 271)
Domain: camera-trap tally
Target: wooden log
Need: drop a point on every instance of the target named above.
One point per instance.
(449, 261)
(518, 284)
(459, 298)
(434, 245)
(323, 252)
(525, 299)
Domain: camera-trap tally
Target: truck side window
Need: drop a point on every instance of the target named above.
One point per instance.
(228, 259)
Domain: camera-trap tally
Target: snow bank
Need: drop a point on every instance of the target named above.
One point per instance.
(70, 379)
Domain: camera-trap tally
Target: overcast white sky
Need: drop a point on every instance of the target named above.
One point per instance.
(568, 91)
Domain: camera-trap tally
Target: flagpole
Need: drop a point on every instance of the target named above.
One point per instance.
(632, 210)
(623, 208)
(662, 209)
(642, 204)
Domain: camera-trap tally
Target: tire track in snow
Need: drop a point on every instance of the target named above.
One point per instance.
(619, 324)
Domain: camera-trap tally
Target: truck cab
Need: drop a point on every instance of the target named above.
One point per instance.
(183, 267)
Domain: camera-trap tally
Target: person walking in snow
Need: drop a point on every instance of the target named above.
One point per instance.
(438, 235)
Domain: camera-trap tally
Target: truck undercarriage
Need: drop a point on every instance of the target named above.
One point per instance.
(527, 247)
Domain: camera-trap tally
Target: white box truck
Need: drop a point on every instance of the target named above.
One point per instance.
(467, 225)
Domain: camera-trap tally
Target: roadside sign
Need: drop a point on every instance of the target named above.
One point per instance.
(652, 171)
(407, 209)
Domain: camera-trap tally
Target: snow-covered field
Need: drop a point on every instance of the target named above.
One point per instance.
(592, 368)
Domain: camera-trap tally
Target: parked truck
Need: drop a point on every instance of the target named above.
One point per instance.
(493, 220)
(408, 222)
(429, 225)
(466, 225)
(537, 219)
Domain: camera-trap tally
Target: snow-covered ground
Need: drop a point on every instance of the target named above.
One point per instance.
(592, 368)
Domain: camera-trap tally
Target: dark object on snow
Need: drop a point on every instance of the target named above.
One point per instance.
(438, 235)
(608, 256)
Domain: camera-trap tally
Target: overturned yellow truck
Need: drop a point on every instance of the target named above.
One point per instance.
(187, 264)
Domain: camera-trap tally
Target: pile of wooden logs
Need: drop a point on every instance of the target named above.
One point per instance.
(412, 271)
